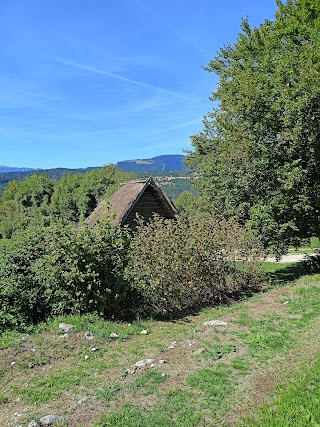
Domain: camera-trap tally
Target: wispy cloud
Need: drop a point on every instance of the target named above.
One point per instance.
(125, 79)
(45, 96)
(182, 125)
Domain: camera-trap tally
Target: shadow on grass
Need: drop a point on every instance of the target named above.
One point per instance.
(288, 273)
(283, 273)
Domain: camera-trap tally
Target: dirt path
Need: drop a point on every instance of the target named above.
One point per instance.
(288, 258)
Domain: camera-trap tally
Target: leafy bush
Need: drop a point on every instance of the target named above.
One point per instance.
(55, 270)
(182, 264)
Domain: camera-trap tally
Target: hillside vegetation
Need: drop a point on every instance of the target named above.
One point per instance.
(250, 371)
(40, 200)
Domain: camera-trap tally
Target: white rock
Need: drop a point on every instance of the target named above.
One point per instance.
(49, 420)
(162, 361)
(65, 335)
(13, 363)
(66, 327)
(143, 362)
(152, 365)
(286, 302)
(172, 345)
(215, 323)
(93, 349)
(114, 335)
(81, 401)
(33, 423)
(88, 335)
(144, 332)
(86, 357)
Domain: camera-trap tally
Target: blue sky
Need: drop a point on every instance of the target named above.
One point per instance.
(85, 83)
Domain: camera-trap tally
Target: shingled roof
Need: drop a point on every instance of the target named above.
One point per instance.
(143, 197)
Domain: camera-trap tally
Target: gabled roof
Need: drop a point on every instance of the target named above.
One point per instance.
(124, 200)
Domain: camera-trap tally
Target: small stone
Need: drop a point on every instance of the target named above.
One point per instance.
(162, 361)
(172, 345)
(12, 363)
(114, 335)
(88, 336)
(33, 423)
(215, 323)
(65, 335)
(49, 420)
(143, 362)
(86, 357)
(66, 327)
(144, 332)
(81, 401)
(163, 374)
(152, 365)
(286, 302)
(93, 349)
(129, 324)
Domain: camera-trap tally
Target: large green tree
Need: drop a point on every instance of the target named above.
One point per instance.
(258, 156)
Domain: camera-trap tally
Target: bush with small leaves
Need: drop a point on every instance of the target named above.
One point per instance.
(183, 264)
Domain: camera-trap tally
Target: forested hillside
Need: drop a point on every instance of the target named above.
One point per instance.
(158, 163)
(166, 165)
(55, 173)
(42, 200)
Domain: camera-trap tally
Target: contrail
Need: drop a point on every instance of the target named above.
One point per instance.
(42, 95)
(125, 79)
(178, 126)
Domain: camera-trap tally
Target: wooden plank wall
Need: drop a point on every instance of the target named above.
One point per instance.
(149, 203)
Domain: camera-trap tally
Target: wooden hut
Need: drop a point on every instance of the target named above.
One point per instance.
(143, 197)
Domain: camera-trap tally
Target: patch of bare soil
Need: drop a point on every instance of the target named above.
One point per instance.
(180, 361)
(260, 385)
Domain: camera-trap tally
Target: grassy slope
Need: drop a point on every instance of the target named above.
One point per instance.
(264, 358)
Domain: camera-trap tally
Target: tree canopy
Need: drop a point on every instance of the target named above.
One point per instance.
(258, 155)
(39, 200)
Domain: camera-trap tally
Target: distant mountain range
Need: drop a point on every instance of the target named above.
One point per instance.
(159, 163)
(6, 169)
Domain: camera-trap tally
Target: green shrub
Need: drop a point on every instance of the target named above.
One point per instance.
(181, 264)
(46, 271)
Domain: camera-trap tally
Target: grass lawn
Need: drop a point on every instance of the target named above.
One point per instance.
(261, 369)
(302, 250)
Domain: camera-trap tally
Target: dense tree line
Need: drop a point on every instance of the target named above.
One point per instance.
(40, 200)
